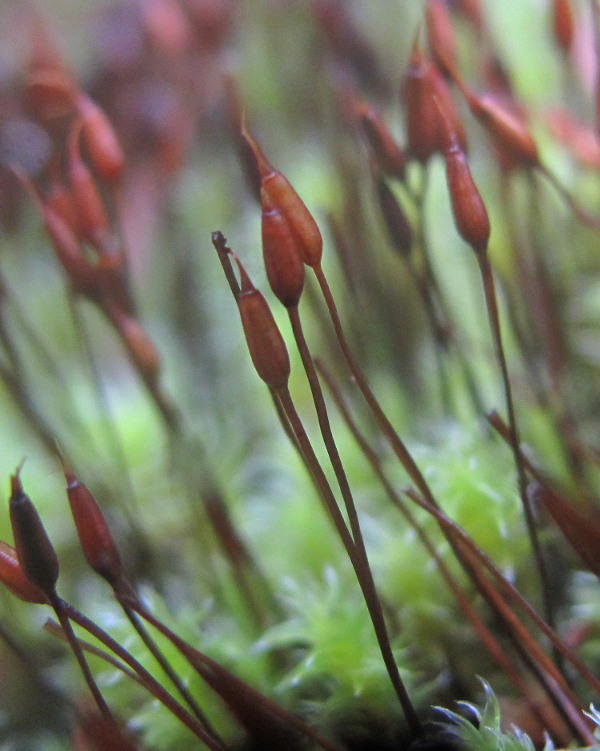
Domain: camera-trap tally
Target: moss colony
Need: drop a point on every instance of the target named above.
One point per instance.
(299, 301)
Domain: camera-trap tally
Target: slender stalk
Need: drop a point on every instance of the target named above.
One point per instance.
(584, 217)
(150, 683)
(433, 299)
(325, 426)
(63, 618)
(458, 535)
(491, 302)
(200, 482)
(167, 668)
(105, 412)
(54, 628)
(362, 570)
(385, 425)
(223, 682)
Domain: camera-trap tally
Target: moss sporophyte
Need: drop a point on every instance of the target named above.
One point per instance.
(361, 515)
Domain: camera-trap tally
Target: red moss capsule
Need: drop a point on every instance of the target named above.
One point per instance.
(284, 267)
(81, 273)
(167, 25)
(12, 577)
(578, 138)
(94, 535)
(277, 192)
(563, 24)
(440, 33)
(471, 10)
(396, 223)
(101, 140)
(390, 158)
(265, 343)
(508, 131)
(470, 215)
(35, 552)
(425, 94)
(91, 213)
(50, 93)
(60, 200)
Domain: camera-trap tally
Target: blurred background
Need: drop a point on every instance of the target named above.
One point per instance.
(174, 76)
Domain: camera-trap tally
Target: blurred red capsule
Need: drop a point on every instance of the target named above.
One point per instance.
(277, 192)
(94, 535)
(101, 140)
(508, 131)
(440, 34)
(92, 218)
(473, 12)
(396, 222)
(167, 26)
(35, 552)
(12, 577)
(578, 138)
(390, 158)
(81, 274)
(563, 24)
(426, 94)
(470, 214)
(283, 264)
(265, 343)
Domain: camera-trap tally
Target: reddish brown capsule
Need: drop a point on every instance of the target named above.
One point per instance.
(396, 223)
(470, 215)
(507, 130)
(101, 140)
(81, 273)
(265, 343)
(440, 34)
(284, 267)
(390, 158)
(563, 24)
(277, 192)
(60, 200)
(471, 10)
(91, 213)
(35, 552)
(50, 93)
(94, 535)
(12, 576)
(426, 93)
(167, 25)
(578, 138)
